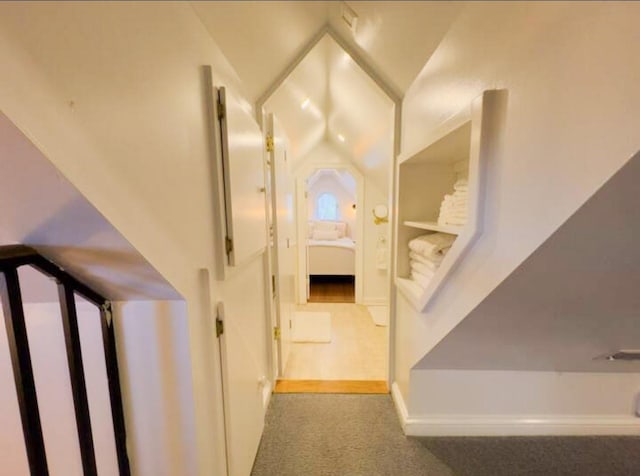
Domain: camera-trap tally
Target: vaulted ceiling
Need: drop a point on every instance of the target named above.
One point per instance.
(261, 38)
(328, 97)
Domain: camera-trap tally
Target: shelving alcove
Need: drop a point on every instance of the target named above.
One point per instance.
(458, 148)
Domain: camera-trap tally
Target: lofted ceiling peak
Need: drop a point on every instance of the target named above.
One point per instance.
(328, 97)
(260, 39)
(325, 80)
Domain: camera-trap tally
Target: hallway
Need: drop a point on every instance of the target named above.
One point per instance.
(358, 349)
(360, 435)
(193, 162)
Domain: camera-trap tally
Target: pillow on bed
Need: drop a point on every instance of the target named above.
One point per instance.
(341, 228)
(325, 235)
(325, 225)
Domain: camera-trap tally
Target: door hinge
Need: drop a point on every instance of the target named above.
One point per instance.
(270, 146)
(219, 320)
(106, 309)
(276, 333)
(228, 244)
(221, 107)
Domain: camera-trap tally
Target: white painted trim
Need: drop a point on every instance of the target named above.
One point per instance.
(511, 425)
(401, 408)
(395, 95)
(267, 391)
(301, 215)
(520, 425)
(284, 74)
(483, 135)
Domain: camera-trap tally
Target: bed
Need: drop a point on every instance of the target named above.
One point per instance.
(329, 251)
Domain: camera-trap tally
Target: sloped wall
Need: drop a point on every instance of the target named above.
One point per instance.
(571, 122)
(573, 300)
(112, 94)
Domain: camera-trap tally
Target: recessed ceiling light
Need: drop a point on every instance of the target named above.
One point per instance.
(341, 138)
(305, 103)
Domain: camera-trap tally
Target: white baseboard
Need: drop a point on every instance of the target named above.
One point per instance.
(511, 425)
(267, 391)
(401, 408)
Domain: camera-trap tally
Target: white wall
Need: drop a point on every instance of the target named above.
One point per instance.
(112, 93)
(375, 282)
(13, 453)
(376, 289)
(153, 343)
(462, 402)
(571, 79)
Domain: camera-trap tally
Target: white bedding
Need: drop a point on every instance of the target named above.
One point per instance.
(331, 257)
(340, 242)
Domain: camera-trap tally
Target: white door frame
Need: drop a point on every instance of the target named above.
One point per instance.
(302, 217)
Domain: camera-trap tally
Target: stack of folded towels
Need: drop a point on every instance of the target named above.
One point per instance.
(453, 210)
(425, 255)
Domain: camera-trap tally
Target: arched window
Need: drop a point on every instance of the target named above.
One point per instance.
(327, 207)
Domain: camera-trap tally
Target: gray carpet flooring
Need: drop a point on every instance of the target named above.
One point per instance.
(360, 435)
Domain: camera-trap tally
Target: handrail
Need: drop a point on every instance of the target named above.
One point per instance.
(11, 258)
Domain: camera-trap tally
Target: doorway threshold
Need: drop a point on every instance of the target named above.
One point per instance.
(332, 386)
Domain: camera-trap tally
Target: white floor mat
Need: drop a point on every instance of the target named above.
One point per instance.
(311, 327)
(379, 314)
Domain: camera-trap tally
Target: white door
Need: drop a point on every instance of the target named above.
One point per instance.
(282, 185)
(244, 290)
(244, 181)
(272, 269)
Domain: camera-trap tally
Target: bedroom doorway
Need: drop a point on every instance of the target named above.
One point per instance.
(331, 236)
(330, 253)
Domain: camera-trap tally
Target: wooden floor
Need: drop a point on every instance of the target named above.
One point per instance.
(332, 289)
(358, 349)
(332, 386)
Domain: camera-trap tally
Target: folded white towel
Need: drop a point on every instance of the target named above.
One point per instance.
(431, 263)
(462, 184)
(416, 288)
(420, 279)
(422, 268)
(454, 206)
(454, 209)
(432, 244)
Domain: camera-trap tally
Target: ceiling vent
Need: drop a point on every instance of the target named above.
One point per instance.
(624, 355)
(350, 17)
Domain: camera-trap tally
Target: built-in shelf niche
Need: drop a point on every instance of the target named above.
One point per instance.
(459, 147)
